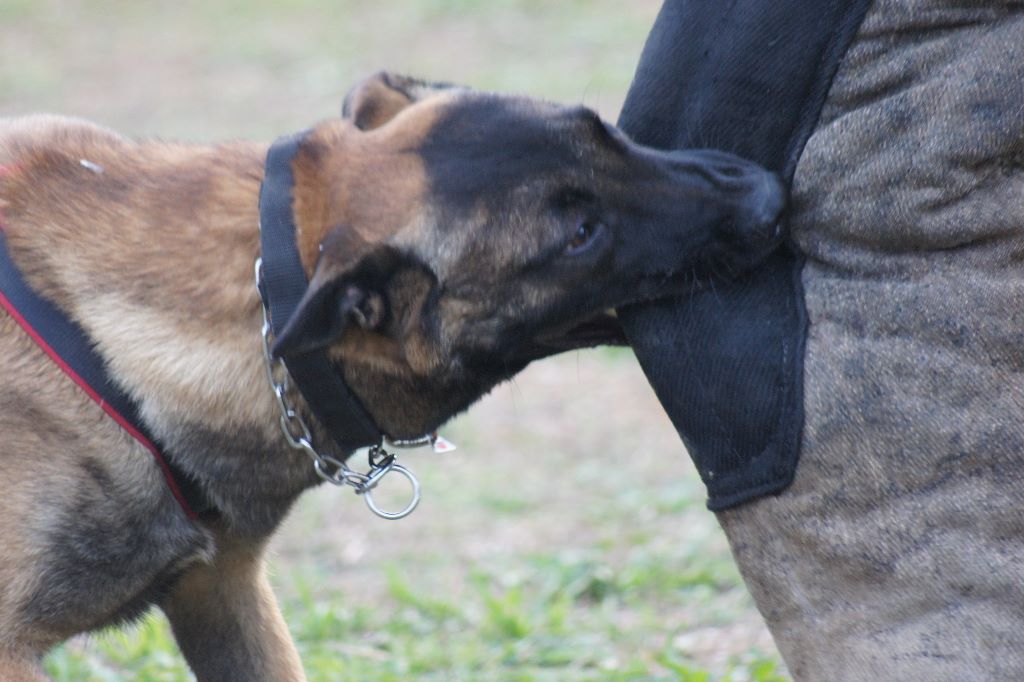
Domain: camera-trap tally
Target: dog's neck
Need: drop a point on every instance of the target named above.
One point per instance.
(151, 247)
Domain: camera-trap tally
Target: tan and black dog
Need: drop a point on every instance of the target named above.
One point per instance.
(469, 233)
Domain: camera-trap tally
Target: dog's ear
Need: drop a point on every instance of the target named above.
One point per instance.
(379, 98)
(348, 288)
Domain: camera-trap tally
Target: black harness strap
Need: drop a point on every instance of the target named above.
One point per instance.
(282, 285)
(67, 344)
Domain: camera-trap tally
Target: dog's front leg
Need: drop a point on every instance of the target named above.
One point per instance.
(227, 621)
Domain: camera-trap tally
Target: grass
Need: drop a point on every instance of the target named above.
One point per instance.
(533, 557)
(551, 616)
(566, 539)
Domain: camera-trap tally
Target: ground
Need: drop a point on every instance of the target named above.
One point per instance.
(566, 539)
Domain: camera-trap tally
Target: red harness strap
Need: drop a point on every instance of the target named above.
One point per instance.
(67, 345)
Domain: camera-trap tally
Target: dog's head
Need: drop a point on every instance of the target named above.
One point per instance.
(454, 236)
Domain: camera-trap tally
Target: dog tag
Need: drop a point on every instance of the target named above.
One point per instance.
(441, 445)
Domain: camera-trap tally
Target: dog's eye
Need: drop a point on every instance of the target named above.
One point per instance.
(583, 237)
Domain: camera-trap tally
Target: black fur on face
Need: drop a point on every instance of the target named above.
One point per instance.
(531, 220)
(559, 217)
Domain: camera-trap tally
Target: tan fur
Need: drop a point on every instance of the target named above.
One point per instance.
(381, 179)
(171, 232)
(17, 669)
(184, 361)
(181, 338)
(149, 307)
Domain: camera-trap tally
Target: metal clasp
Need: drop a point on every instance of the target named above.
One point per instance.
(383, 463)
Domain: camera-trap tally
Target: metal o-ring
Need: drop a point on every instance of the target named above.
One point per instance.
(368, 494)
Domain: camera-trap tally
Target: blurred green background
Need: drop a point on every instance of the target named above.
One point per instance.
(567, 538)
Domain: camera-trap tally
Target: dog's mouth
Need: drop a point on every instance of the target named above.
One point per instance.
(601, 329)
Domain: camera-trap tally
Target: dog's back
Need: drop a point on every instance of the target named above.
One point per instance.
(25, 137)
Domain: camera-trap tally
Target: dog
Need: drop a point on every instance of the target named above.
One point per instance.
(449, 236)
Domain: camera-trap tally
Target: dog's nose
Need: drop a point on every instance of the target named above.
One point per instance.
(761, 209)
(744, 202)
(757, 197)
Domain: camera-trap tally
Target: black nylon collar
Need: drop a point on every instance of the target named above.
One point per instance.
(282, 286)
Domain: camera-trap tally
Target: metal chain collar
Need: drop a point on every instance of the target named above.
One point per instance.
(296, 431)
